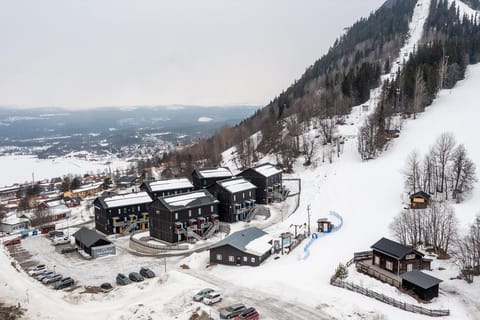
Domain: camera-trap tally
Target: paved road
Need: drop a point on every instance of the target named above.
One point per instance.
(270, 306)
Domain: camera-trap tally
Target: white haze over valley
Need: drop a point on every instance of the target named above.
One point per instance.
(91, 53)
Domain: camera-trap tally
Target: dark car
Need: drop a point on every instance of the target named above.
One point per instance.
(44, 275)
(52, 278)
(63, 283)
(147, 272)
(232, 311)
(122, 279)
(135, 276)
(12, 242)
(106, 287)
(68, 250)
(55, 234)
(248, 314)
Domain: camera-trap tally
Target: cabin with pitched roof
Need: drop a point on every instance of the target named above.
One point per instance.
(419, 200)
(180, 217)
(93, 243)
(236, 196)
(170, 187)
(249, 247)
(122, 213)
(205, 177)
(268, 181)
(397, 258)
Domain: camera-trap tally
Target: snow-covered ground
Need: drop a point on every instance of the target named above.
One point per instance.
(366, 194)
(50, 168)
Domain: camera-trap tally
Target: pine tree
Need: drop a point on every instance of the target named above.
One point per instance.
(341, 272)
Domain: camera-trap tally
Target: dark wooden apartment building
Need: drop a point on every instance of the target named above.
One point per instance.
(268, 181)
(172, 218)
(205, 177)
(163, 188)
(237, 198)
(122, 213)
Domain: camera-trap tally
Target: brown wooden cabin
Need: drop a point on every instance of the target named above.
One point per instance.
(397, 258)
(419, 200)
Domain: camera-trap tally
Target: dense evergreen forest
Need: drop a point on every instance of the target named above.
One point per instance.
(451, 42)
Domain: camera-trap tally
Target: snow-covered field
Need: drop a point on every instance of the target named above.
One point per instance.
(19, 169)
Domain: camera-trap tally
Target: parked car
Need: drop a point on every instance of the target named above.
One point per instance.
(135, 276)
(248, 314)
(106, 287)
(212, 297)
(232, 311)
(37, 270)
(52, 278)
(44, 275)
(63, 283)
(55, 233)
(68, 250)
(12, 242)
(123, 280)
(201, 294)
(147, 272)
(61, 240)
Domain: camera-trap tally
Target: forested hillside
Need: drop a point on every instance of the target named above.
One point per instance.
(451, 42)
(330, 87)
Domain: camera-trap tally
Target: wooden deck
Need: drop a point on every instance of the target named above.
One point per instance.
(367, 268)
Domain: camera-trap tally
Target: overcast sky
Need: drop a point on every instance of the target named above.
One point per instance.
(88, 53)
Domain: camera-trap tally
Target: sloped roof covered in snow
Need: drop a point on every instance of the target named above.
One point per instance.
(170, 184)
(214, 172)
(129, 199)
(235, 185)
(266, 170)
(188, 200)
(251, 240)
(88, 237)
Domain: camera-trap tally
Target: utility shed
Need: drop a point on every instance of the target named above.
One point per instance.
(424, 285)
(93, 243)
(248, 247)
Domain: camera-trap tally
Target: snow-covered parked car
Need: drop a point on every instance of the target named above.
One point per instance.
(212, 297)
(201, 294)
(60, 240)
(37, 270)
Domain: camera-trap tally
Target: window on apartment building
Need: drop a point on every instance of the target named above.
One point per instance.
(231, 258)
(138, 208)
(234, 197)
(219, 257)
(189, 213)
(249, 193)
(176, 215)
(212, 209)
(389, 265)
(119, 211)
(199, 210)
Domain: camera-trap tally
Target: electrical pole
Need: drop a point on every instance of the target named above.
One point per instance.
(308, 212)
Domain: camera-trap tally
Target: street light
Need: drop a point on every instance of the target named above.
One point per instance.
(54, 268)
(308, 212)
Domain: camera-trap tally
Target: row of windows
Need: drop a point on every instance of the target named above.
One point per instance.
(126, 210)
(199, 212)
(232, 258)
(243, 195)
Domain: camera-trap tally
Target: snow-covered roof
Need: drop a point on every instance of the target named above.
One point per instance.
(11, 188)
(128, 199)
(260, 245)
(267, 170)
(214, 173)
(88, 187)
(191, 199)
(243, 238)
(236, 185)
(13, 220)
(170, 184)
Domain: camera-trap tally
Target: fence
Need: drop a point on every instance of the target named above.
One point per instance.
(363, 268)
(385, 299)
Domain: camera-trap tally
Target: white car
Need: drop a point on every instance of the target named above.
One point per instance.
(37, 270)
(212, 297)
(61, 240)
